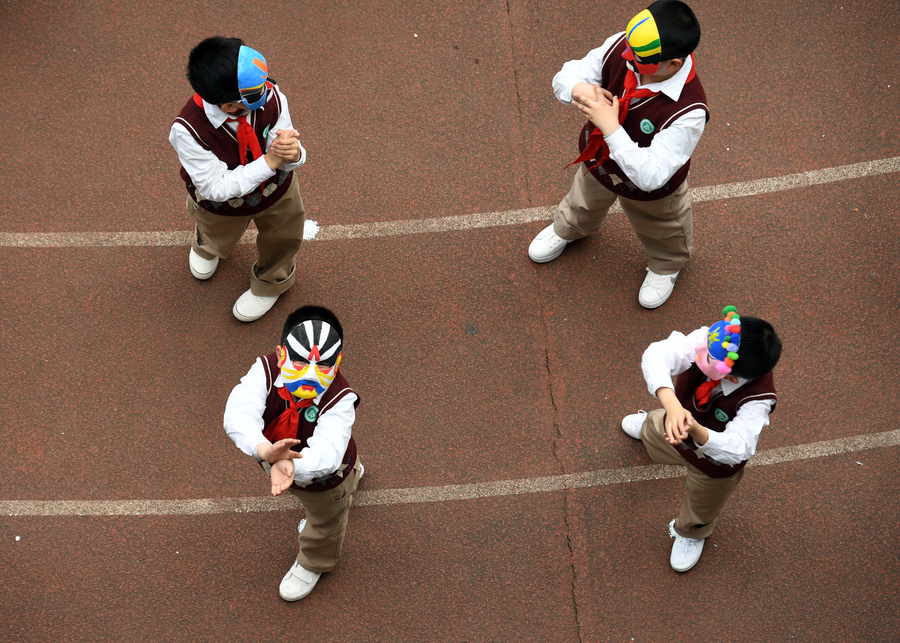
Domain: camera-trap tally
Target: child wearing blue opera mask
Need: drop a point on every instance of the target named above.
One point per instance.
(711, 418)
(293, 412)
(238, 151)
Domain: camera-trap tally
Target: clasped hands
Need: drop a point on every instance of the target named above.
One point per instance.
(280, 456)
(678, 424)
(284, 149)
(598, 105)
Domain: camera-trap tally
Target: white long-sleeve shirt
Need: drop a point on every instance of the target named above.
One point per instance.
(649, 168)
(325, 451)
(664, 360)
(210, 175)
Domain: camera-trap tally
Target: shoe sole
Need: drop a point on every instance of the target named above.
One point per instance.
(651, 307)
(548, 258)
(686, 569)
(292, 599)
(203, 276)
(244, 318)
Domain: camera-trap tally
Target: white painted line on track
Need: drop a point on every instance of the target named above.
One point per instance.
(451, 223)
(600, 478)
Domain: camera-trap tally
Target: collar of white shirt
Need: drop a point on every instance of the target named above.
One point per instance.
(671, 87)
(730, 387)
(215, 115)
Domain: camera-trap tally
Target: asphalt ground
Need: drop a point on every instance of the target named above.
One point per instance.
(501, 500)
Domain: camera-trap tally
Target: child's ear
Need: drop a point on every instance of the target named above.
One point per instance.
(281, 353)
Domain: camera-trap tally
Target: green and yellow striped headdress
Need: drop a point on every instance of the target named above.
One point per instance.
(642, 35)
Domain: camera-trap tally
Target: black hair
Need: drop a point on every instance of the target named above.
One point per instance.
(759, 350)
(212, 69)
(306, 313)
(679, 30)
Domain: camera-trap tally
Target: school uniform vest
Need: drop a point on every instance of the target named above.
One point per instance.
(646, 118)
(222, 142)
(275, 406)
(718, 411)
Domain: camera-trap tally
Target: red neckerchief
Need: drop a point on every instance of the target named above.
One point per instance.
(286, 424)
(245, 135)
(703, 391)
(596, 143)
(246, 138)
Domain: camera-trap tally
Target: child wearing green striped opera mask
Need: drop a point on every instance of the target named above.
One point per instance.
(645, 111)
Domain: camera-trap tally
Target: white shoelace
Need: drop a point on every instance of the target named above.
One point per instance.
(656, 281)
(688, 543)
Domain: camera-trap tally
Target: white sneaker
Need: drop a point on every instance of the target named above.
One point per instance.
(250, 307)
(632, 424)
(685, 551)
(547, 246)
(656, 289)
(297, 583)
(202, 268)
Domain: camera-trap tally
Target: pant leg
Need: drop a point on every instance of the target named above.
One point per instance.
(280, 235)
(215, 235)
(584, 208)
(704, 496)
(326, 523)
(704, 502)
(665, 228)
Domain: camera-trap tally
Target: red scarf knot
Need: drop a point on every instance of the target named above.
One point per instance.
(286, 424)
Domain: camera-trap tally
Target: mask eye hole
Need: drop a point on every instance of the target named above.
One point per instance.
(325, 367)
(300, 363)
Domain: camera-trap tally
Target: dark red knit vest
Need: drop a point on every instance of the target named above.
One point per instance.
(717, 413)
(646, 118)
(223, 143)
(275, 406)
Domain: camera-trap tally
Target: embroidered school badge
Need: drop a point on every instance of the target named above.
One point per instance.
(647, 127)
(311, 413)
(721, 415)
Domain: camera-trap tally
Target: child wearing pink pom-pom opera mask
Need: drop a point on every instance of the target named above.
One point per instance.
(712, 416)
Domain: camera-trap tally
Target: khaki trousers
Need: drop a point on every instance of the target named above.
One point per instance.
(704, 497)
(664, 226)
(280, 229)
(326, 522)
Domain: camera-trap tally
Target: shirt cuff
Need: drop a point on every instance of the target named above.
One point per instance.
(713, 449)
(260, 170)
(619, 141)
(663, 382)
(256, 452)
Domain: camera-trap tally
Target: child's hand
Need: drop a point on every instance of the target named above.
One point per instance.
(286, 146)
(282, 476)
(678, 423)
(602, 112)
(281, 450)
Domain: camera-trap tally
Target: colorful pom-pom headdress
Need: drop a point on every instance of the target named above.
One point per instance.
(724, 340)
